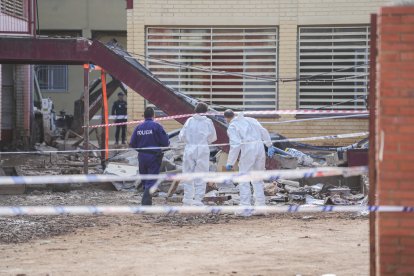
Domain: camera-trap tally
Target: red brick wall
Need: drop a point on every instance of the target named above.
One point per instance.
(395, 140)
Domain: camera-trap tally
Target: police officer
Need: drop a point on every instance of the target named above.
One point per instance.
(149, 135)
(119, 109)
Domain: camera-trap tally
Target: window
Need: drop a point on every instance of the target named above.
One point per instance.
(52, 78)
(13, 8)
(238, 51)
(333, 67)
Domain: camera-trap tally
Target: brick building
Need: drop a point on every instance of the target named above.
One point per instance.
(268, 38)
(16, 81)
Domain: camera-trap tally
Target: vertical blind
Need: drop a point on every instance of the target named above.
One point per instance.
(238, 51)
(333, 67)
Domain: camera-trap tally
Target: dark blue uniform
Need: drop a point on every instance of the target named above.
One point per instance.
(149, 135)
(119, 108)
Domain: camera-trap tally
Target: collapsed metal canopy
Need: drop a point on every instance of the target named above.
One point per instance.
(116, 61)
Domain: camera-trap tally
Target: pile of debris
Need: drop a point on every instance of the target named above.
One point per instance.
(334, 191)
(291, 192)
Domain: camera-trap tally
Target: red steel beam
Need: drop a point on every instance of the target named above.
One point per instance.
(81, 51)
(153, 91)
(27, 50)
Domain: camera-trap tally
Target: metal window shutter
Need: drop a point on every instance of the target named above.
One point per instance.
(326, 55)
(13, 7)
(250, 51)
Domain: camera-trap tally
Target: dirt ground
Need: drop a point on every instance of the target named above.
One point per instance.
(299, 244)
(254, 246)
(194, 245)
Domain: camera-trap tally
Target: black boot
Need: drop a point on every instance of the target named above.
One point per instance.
(146, 197)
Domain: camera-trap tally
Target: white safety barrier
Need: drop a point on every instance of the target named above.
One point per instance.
(181, 146)
(237, 177)
(268, 112)
(175, 210)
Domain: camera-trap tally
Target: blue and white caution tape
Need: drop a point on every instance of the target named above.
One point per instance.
(176, 210)
(326, 137)
(316, 119)
(237, 177)
(262, 112)
(181, 146)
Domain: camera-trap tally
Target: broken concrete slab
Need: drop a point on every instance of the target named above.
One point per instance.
(289, 183)
(281, 162)
(313, 201)
(317, 188)
(124, 170)
(341, 191)
(279, 197)
(130, 157)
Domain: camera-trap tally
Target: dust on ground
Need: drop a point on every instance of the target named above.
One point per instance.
(285, 244)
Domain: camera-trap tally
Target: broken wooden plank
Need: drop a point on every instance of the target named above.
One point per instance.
(173, 188)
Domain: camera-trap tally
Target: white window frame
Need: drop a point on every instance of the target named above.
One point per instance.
(53, 84)
(333, 47)
(218, 49)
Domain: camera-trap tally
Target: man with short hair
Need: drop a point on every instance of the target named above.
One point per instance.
(149, 135)
(119, 109)
(246, 137)
(198, 133)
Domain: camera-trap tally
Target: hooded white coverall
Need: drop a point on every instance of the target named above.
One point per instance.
(198, 132)
(253, 156)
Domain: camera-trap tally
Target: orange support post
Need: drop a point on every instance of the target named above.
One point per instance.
(105, 111)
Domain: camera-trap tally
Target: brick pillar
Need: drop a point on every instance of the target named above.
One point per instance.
(22, 109)
(394, 140)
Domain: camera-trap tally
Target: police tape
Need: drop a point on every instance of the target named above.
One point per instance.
(191, 210)
(182, 146)
(218, 177)
(111, 117)
(315, 119)
(268, 112)
(326, 137)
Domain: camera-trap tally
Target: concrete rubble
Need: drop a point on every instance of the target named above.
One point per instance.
(125, 163)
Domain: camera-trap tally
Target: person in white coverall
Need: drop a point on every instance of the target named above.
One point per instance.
(246, 137)
(198, 132)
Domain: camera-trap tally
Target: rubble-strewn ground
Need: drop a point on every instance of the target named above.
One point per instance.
(197, 245)
(287, 244)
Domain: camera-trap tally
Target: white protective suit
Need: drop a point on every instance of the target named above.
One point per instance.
(253, 156)
(198, 132)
